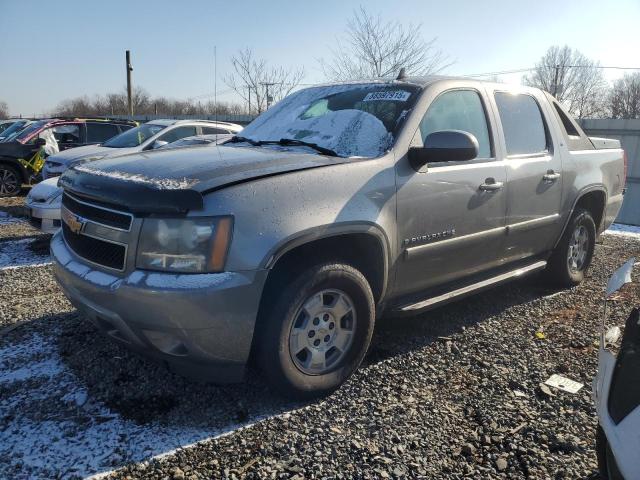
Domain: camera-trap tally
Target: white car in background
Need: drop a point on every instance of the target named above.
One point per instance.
(148, 136)
(45, 199)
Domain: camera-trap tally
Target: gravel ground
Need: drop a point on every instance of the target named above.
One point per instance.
(452, 393)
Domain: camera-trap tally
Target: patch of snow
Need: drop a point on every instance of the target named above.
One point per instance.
(135, 277)
(16, 253)
(41, 439)
(186, 281)
(624, 230)
(6, 219)
(77, 268)
(45, 190)
(158, 183)
(100, 278)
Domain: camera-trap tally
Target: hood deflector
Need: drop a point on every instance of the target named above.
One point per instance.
(207, 169)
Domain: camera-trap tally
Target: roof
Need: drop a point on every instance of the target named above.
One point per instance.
(169, 121)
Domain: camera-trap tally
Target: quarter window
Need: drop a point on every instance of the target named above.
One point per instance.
(522, 123)
(458, 110)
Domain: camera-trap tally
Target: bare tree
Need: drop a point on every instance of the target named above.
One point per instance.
(4, 110)
(576, 81)
(258, 83)
(375, 48)
(624, 101)
(144, 104)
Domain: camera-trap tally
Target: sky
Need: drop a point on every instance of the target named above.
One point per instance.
(55, 50)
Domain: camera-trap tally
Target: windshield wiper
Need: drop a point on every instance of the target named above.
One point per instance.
(292, 141)
(239, 139)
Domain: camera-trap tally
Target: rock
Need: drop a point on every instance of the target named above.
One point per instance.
(501, 464)
(545, 391)
(468, 449)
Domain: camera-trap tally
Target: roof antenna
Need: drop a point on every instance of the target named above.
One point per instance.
(402, 75)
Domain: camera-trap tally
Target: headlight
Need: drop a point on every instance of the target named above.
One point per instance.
(190, 245)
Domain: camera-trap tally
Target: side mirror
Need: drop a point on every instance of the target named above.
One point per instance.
(444, 146)
(40, 142)
(159, 144)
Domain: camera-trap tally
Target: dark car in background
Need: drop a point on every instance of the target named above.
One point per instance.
(22, 158)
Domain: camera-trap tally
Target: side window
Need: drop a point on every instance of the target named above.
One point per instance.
(459, 110)
(522, 123)
(178, 133)
(213, 131)
(566, 122)
(100, 132)
(69, 133)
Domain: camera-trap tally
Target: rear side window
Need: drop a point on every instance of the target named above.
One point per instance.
(213, 131)
(101, 132)
(178, 133)
(458, 110)
(566, 123)
(522, 123)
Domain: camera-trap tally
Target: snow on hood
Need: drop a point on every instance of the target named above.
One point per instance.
(349, 132)
(45, 190)
(154, 182)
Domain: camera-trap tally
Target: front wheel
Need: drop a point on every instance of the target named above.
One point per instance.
(572, 257)
(10, 181)
(317, 332)
(606, 461)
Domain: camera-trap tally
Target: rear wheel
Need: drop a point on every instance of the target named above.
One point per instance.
(572, 257)
(317, 332)
(10, 181)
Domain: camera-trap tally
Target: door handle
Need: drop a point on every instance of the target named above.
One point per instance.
(550, 176)
(490, 185)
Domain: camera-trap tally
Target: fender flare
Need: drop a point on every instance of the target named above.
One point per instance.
(598, 187)
(333, 230)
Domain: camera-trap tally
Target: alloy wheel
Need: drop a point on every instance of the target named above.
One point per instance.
(322, 332)
(578, 249)
(8, 182)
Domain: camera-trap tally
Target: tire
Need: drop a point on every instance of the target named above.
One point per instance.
(317, 331)
(572, 257)
(606, 461)
(10, 181)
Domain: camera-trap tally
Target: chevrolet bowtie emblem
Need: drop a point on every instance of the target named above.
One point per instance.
(74, 222)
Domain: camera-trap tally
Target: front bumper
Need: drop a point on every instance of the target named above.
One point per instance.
(45, 216)
(200, 326)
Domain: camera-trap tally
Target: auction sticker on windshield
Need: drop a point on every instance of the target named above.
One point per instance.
(393, 95)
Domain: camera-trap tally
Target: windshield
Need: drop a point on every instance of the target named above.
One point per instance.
(25, 134)
(354, 120)
(13, 130)
(134, 137)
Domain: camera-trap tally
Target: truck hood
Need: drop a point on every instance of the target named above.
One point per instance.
(176, 179)
(66, 157)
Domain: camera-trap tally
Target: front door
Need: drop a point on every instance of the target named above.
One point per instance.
(451, 215)
(534, 182)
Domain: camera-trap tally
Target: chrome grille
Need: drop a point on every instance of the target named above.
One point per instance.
(97, 214)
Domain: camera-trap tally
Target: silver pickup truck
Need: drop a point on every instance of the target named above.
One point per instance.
(338, 205)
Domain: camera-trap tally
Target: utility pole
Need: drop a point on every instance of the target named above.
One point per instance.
(129, 70)
(249, 98)
(555, 81)
(266, 86)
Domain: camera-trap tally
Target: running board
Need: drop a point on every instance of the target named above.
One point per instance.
(474, 287)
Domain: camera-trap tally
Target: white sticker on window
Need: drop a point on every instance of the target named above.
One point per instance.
(389, 95)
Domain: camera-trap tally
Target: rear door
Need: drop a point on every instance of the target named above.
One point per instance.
(534, 168)
(451, 226)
